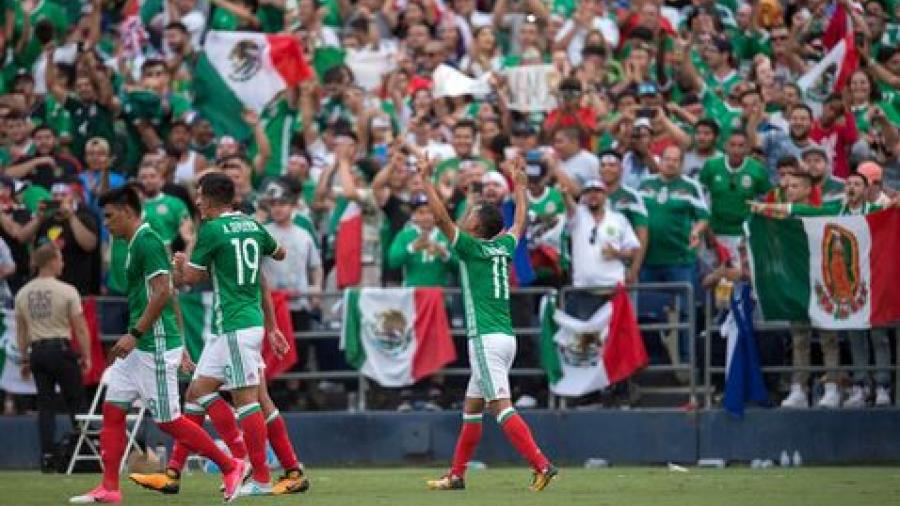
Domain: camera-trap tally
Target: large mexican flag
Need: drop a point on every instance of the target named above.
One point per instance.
(584, 356)
(396, 336)
(243, 69)
(835, 272)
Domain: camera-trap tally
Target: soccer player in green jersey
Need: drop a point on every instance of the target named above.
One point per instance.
(148, 356)
(229, 248)
(484, 256)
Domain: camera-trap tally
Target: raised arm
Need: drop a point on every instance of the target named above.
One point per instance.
(441, 216)
(243, 13)
(520, 180)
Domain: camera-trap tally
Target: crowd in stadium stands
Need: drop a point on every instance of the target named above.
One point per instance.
(669, 118)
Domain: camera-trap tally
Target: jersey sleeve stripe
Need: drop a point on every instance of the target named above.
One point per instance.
(156, 273)
(196, 266)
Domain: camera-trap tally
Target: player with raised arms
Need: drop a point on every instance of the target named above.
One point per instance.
(484, 253)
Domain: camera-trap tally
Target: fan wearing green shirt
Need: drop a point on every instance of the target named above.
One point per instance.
(421, 250)
(163, 212)
(730, 182)
(678, 218)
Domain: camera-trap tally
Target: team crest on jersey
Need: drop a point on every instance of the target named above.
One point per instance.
(840, 292)
(246, 60)
(746, 181)
(584, 351)
(162, 209)
(389, 331)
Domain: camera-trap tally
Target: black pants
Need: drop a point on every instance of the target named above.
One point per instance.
(54, 363)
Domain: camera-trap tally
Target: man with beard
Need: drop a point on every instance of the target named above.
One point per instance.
(188, 163)
(163, 212)
(776, 144)
(626, 200)
(826, 187)
(706, 135)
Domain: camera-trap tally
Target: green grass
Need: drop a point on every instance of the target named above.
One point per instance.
(625, 486)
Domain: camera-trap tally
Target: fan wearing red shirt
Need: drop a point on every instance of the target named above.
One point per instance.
(836, 132)
(571, 113)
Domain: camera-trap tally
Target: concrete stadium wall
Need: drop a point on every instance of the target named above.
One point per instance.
(621, 437)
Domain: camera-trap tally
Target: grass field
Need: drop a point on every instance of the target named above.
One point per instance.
(625, 486)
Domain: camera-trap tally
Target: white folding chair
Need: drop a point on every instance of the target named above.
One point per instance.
(90, 423)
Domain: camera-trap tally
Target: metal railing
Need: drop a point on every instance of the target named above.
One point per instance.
(775, 326)
(685, 321)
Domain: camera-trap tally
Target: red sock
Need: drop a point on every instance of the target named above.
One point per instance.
(112, 444)
(469, 436)
(223, 420)
(519, 435)
(194, 414)
(254, 426)
(197, 440)
(281, 443)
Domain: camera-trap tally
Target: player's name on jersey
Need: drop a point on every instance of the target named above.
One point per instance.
(236, 227)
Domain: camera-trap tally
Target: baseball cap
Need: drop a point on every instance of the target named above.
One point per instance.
(871, 170)
(814, 149)
(610, 156)
(523, 129)
(493, 176)
(642, 123)
(280, 191)
(647, 88)
(593, 184)
(380, 122)
(418, 200)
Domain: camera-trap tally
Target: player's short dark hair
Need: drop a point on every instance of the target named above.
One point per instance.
(125, 196)
(710, 124)
(490, 220)
(804, 175)
(217, 187)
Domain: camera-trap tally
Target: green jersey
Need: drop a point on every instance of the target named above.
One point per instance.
(89, 120)
(116, 281)
(145, 259)
(420, 268)
(165, 213)
(484, 273)
(455, 162)
(629, 202)
(729, 190)
(230, 248)
(833, 208)
(280, 122)
(673, 206)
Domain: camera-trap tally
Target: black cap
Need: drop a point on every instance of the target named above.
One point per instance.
(523, 129)
(418, 200)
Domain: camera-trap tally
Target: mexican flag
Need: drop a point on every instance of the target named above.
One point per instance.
(584, 356)
(196, 311)
(345, 229)
(11, 359)
(842, 54)
(256, 66)
(836, 272)
(396, 336)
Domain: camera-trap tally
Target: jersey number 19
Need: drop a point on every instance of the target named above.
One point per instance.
(246, 256)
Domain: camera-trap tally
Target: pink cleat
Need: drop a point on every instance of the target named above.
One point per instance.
(233, 480)
(98, 495)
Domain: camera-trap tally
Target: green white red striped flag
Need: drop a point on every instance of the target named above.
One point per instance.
(835, 272)
(396, 336)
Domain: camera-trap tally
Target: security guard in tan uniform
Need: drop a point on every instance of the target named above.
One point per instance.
(46, 311)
